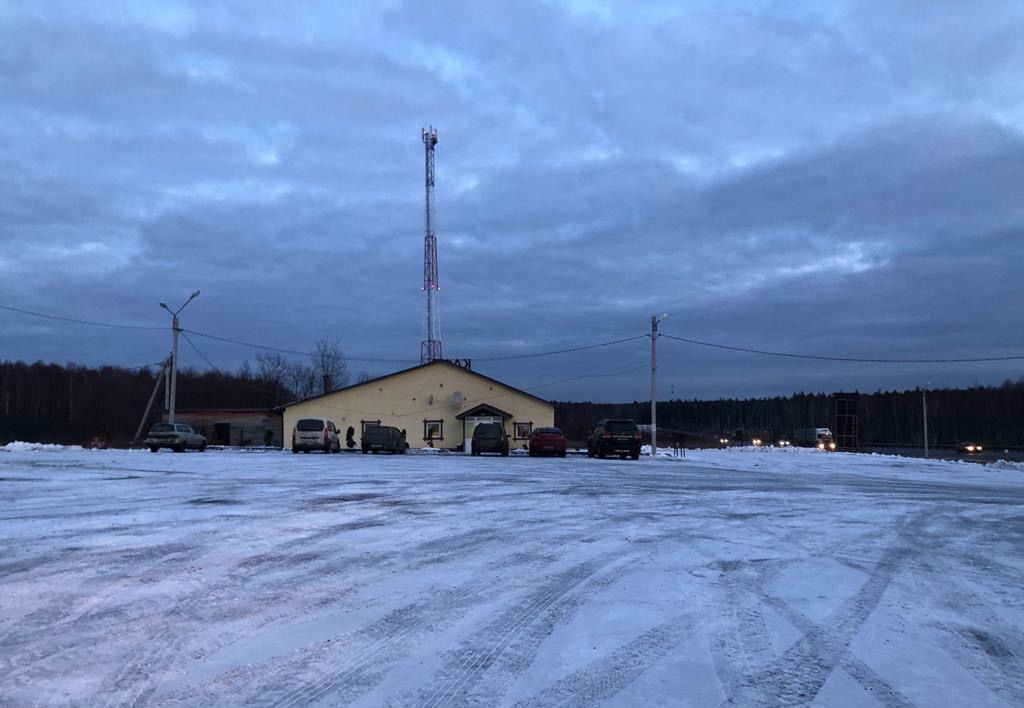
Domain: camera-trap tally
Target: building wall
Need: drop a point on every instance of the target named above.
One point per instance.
(409, 399)
(243, 427)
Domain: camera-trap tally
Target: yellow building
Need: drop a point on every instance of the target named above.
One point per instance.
(437, 404)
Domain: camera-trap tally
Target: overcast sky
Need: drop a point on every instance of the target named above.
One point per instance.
(841, 179)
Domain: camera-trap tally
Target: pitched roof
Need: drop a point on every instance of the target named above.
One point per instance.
(492, 410)
(436, 362)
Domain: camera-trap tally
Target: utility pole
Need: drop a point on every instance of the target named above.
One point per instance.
(654, 395)
(174, 352)
(152, 396)
(924, 410)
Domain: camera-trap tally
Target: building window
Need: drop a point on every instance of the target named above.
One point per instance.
(365, 424)
(523, 430)
(433, 430)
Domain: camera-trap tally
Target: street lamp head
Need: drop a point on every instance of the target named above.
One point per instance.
(164, 305)
(194, 295)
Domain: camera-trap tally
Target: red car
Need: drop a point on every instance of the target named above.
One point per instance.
(547, 441)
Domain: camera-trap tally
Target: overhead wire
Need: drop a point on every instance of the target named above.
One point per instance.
(74, 320)
(489, 398)
(297, 352)
(861, 360)
(513, 357)
(196, 349)
(568, 350)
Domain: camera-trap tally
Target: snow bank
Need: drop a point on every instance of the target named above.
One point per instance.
(1006, 465)
(19, 446)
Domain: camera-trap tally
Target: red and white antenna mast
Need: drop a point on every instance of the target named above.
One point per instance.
(430, 347)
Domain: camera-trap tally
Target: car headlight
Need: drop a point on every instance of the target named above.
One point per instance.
(821, 446)
(979, 448)
(832, 446)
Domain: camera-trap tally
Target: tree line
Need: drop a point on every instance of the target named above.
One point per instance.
(992, 415)
(73, 404)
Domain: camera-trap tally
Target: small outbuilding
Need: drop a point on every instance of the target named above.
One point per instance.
(241, 427)
(438, 405)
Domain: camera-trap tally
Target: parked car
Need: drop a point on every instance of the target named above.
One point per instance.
(383, 438)
(547, 441)
(614, 437)
(969, 448)
(176, 436)
(490, 437)
(315, 434)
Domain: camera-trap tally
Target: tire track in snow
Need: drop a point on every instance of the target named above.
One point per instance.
(315, 672)
(605, 677)
(385, 643)
(466, 667)
(985, 646)
(797, 676)
(511, 641)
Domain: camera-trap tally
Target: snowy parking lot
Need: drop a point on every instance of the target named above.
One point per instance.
(736, 577)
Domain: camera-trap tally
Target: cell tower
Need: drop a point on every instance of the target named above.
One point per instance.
(430, 347)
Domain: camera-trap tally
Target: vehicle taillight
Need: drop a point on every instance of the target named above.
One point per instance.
(638, 435)
(325, 436)
(606, 435)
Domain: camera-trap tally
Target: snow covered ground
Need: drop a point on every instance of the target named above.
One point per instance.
(737, 577)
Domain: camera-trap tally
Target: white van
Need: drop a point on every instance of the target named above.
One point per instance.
(315, 434)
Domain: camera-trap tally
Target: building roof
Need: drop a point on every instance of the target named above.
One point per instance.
(485, 409)
(436, 362)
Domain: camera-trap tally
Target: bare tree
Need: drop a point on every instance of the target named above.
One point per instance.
(273, 374)
(302, 380)
(329, 364)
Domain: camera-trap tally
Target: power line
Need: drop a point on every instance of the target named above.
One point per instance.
(747, 350)
(559, 351)
(78, 321)
(145, 366)
(196, 349)
(491, 397)
(587, 376)
(282, 350)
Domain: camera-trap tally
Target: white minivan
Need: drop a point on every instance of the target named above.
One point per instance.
(315, 434)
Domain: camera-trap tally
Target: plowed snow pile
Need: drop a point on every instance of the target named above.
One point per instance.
(742, 577)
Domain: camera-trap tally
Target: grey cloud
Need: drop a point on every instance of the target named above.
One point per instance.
(839, 179)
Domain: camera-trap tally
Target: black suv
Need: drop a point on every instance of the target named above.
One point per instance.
(490, 437)
(614, 437)
(383, 438)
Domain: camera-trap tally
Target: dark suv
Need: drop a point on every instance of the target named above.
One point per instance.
(490, 437)
(614, 437)
(383, 438)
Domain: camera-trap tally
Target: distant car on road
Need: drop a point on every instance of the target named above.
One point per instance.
(176, 436)
(969, 448)
(614, 437)
(490, 437)
(315, 434)
(383, 438)
(547, 441)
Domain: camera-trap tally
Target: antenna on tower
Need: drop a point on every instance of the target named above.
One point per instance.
(430, 347)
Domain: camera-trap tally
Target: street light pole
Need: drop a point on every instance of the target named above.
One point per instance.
(654, 395)
(174, 352)
(924, 411)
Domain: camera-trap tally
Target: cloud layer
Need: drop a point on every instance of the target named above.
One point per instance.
(842, 180)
